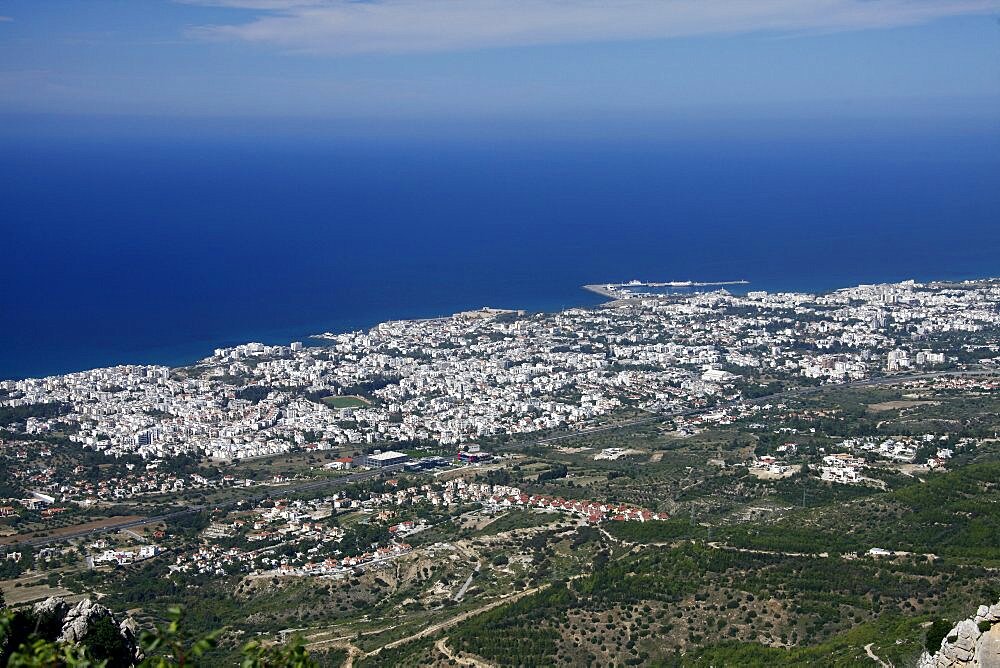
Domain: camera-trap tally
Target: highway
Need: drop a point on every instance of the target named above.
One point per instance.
(367, 475)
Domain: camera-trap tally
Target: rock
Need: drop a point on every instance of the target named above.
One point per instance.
(948, 651)
(54, 619)
(128, 627)
(988, 649)
(81, 618)
(130, 634)
(961, 655)
(966, 646)
(52, 606)
(968, 634)
(49, 615)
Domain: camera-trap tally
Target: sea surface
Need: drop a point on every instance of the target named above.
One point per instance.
(133, 249)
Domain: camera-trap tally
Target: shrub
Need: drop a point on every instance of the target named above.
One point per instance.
(936, 633)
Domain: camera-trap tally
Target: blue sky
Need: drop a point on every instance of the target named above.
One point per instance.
(508, 59)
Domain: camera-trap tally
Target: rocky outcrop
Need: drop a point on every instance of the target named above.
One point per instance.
(73, 624)
(49, 616)
(81, 618)
(972, 643)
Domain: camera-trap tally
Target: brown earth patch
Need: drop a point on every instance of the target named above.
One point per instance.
(896, 405)
(74, 528)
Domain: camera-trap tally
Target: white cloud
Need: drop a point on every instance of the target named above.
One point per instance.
(404, 26)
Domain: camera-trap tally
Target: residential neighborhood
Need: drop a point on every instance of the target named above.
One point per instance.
(489, 373)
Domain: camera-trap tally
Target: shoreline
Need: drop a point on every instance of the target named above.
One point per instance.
(600, 289)
(205, 347)
(617, 291)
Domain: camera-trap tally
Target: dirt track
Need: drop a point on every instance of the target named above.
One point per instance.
(452, 621)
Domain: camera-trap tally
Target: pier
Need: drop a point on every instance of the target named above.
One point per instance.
(624, 290)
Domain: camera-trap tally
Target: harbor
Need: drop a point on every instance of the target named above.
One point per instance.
(636, 288)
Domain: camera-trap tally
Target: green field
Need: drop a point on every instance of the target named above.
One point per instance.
(345, 402)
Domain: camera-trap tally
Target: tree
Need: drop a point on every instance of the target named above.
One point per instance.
(936, 633)
(292, 654)
(105, 644)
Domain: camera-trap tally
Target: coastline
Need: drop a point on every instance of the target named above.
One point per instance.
(186, 354)
(616, 291)
(191, 352)
(601, 289)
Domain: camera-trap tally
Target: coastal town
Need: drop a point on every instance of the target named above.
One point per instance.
(416, 470)
(495, 373)
(466, 333)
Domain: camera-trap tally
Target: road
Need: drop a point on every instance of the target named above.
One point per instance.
(442, 646)
(465, 585)
(874, 657)
(452, 621)
(461, 617)
(366, 475)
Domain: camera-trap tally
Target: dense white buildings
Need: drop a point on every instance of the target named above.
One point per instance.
(489, 373)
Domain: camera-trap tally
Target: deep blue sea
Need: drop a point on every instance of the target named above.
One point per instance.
(129, 249)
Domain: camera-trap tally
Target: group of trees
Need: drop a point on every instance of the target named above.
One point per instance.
(519, 634)
(12, 414)
(369, 387)
(655, 531)
(554, 473)
(896, 640)
(8, 488)
(253, 393)
(954, 514)
(657, 576)
(362, 536)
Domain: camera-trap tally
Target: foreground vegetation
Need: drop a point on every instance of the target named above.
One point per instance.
(28, 641)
